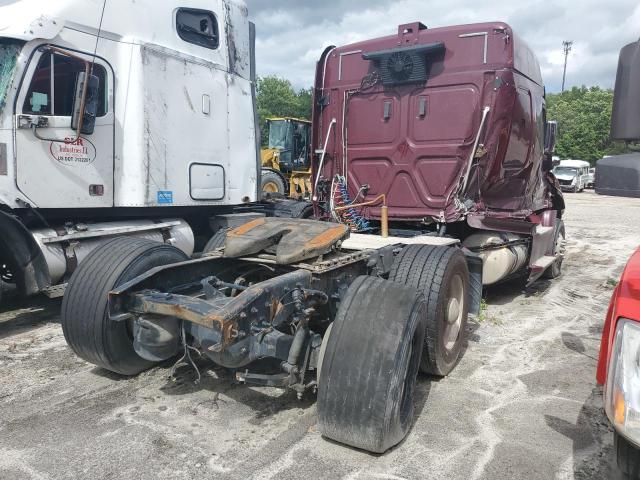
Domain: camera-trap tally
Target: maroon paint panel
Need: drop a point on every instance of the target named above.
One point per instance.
(413, 142)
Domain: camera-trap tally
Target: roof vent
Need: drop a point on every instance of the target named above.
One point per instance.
(405, 65)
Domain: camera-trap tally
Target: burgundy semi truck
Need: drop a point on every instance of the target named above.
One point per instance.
(447, 129)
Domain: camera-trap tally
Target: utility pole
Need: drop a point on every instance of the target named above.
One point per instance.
(566, 46)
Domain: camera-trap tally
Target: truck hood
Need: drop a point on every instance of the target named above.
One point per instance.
(24, 20)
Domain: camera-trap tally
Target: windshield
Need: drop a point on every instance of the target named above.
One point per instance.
(8, 59)
(279, 134)
(570, 171)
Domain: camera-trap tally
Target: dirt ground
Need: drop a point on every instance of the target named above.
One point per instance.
(522, 403)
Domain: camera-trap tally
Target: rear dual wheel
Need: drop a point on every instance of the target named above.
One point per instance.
(384, 332)
(442, 275)
(86, 325)
(370, 365)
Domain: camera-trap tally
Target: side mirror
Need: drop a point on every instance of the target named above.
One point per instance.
(88, 121)
(550, 134)
(625, 116)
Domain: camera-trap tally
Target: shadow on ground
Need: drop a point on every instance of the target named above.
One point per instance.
(30, 313)
(592, 437)
(505, 293)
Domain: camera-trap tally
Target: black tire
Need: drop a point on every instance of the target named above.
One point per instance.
(85, 323)
(627, 456)
(273, 182)
(370, 366)
(433, 271)
(304, 210)
(217, 241)
(288, 208)
(555, 269)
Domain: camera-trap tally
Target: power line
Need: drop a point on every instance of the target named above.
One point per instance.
(566, 46)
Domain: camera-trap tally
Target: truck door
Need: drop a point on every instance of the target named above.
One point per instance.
(55, 169)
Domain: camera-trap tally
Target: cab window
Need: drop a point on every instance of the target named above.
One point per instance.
(53, 85)
(199, 27)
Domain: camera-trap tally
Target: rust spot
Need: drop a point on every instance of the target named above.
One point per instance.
(242, 229)
(327, 238)
(276, 306)
(228, 328)
(211, 319)
(229, 332)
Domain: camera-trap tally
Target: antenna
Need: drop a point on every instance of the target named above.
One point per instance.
(95, 49)
(566, 46)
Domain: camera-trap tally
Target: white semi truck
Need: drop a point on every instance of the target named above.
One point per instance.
(167, 138)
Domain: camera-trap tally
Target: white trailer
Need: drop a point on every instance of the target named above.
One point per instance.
(167, 137)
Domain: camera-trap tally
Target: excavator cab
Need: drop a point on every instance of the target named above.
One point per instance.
(286, 160)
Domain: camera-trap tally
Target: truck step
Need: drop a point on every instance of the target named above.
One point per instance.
(544, 262)
(541, 230)
(55, 291)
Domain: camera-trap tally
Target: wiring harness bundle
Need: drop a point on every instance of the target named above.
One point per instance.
(340, 198)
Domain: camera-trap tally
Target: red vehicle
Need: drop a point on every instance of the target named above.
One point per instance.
(619, 362)
(618, 368)
(443, 131)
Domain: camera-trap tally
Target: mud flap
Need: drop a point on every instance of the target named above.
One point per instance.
(474, 263)
(25, 259)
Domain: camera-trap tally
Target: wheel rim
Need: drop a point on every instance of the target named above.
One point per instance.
(454, 312)
(270, 187)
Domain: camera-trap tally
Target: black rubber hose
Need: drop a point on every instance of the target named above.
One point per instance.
(296, 347)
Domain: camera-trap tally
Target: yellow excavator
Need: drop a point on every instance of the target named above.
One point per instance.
(286, 161)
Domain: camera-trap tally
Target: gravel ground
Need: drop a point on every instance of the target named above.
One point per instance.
(522, 403)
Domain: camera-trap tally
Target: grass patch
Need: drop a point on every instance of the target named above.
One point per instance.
(483, 314)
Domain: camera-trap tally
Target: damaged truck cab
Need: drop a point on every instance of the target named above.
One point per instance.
(441, 131)
(116, 118)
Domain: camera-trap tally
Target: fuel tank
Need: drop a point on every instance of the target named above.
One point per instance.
(503, 254)
(61, 256)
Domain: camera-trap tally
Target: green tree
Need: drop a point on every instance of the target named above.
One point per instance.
(305, 98)
(584, 118)
(276, 97)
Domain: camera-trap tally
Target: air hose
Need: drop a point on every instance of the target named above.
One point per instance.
(349, 216)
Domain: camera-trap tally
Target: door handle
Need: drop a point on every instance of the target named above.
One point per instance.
(30, 121)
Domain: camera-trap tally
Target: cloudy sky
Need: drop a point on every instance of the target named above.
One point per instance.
(291, 35)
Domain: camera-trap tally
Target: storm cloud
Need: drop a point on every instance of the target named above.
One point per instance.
(291, 35)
